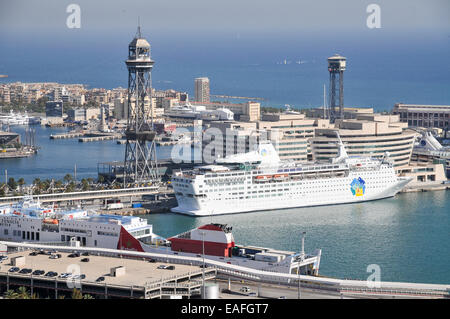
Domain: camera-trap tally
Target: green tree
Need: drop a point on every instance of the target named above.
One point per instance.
(76, 294)
(68, 178)
(12, 183)
(37, 186)
(21, 182)
(101, 179)
(85, 184)
(22, 293)
(70, 187)
(10, 294)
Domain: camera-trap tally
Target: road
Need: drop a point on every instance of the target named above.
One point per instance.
(274, 291)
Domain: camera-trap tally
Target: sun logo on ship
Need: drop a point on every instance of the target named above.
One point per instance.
(263, 152)
(358, 186)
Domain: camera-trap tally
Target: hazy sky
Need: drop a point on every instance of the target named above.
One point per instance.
(231, 15)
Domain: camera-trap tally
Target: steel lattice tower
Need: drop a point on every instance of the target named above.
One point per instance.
(336, 67)
(140, 166)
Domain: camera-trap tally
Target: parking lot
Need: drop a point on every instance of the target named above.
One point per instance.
(91, 268)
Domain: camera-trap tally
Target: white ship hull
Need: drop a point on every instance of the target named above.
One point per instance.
(326, 192)
(258, 181)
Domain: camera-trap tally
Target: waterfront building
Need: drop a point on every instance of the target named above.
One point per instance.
(422, 174)
(77, 114)
(291, 131)
(54, 109)
(435, 116)
(367, 135)
(349, 112)
(201, 89)
(251, 112)
(120, 108)
(9, 138)
(246, 112)
(289, 134)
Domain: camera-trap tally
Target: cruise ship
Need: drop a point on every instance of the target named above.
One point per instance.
(30, 222)
(259, 180)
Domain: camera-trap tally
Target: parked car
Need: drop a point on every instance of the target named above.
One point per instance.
(25, 271)
(162, 267)
(14, 269)
(85, 260)
(3, 257)
(38, 272)
(34, 253)
(51, 274)
(73, 255)
(152, 260)
(65, 275)
(252, 294)
(170, 267)
(282, 297)
(85, 254)
(100, 279)
(55, 256)
(245, 289)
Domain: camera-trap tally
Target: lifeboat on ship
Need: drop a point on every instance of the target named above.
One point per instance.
(263, 178)
(51, 221)
(216, 238)
(280, 177)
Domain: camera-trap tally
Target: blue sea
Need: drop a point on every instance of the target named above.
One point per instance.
(407, 236)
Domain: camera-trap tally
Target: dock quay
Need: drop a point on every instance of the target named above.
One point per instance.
(224, 269)
(137, 278)
(87, 136)
(100, 137)
(65, 135)
(87, 195)
(425, 187)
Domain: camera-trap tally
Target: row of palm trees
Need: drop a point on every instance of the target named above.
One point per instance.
(65, 185)
(23, 293)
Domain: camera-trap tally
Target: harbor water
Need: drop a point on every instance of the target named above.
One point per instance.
(406, 236)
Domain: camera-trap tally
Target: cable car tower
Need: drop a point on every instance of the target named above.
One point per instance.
(336, 68)
(140, 165)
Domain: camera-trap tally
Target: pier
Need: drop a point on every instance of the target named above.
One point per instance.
(88, 136)
(100, 138)
(65, 135)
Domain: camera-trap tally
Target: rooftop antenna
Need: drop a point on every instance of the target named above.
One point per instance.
(138, 33)
(324, 103)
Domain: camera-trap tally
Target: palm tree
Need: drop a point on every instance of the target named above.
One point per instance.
(68, 178)
(22, 293)
(10, 294)
(21, 182)
(87, 296)
(76, 294)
